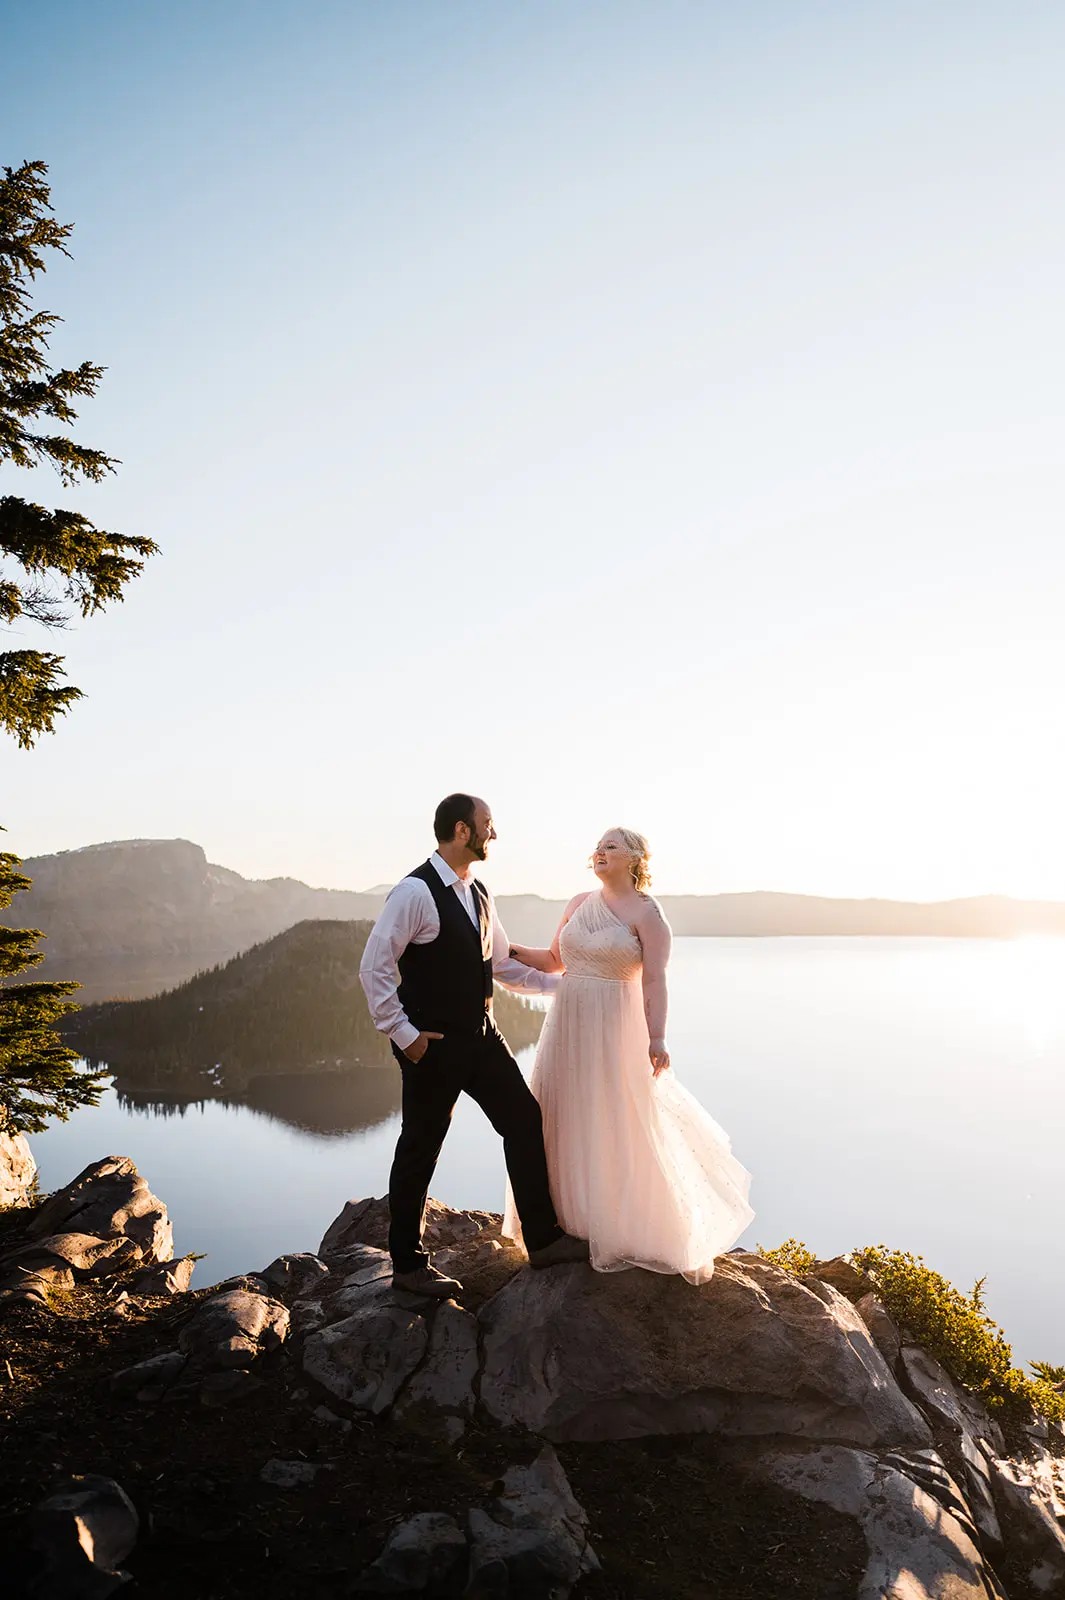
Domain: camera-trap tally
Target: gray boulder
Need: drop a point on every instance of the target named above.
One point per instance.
(946, 1401)
(250, 1282)
(149, 1381)
(422, 1555)
(840, 1275)
(533, 1540)
(168, 1278)
(18, 1170)
(361, 1264)
(366, 1357)
(37, 1266)
(1029, 1511)
(918, 1550)
(109, 1197)
(295, 1275)
(440, 1394)
(882, 1329)
(366, 1222)
(234, 1329)
(574, 1354)
(84, 1532)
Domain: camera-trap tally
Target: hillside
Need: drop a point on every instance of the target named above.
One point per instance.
(142, 915)
(291, 1006)
(132, 918)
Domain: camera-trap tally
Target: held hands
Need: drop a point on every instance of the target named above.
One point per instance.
(659, 1056)
(417, 1047)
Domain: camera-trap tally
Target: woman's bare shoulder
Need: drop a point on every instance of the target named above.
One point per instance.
(650, 912)
(578, 900)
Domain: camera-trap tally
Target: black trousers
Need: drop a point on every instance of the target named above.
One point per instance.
(478, 1064)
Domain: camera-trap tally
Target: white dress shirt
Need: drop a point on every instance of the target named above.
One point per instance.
(409, 916)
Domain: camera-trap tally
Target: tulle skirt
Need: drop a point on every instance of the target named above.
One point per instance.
(637, 1166)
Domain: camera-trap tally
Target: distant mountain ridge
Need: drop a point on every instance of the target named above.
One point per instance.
(137, 916)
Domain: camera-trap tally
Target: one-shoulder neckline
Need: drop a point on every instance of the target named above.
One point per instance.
(611, 913)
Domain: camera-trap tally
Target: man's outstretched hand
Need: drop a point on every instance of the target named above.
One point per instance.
(417, 1047)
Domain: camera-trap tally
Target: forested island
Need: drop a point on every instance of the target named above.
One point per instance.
(292, 1005)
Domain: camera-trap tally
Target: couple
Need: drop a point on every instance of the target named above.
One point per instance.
(609, 1158)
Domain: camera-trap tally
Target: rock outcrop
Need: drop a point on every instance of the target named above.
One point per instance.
(102, 1224)
(18, 1170)
(82, 1533)
(806, 1385)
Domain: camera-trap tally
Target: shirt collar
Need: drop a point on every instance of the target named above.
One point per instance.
(447, 874)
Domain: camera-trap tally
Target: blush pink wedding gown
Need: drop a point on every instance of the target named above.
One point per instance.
(637, 1167)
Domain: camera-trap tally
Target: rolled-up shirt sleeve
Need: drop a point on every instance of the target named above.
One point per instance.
(403, 918)
(515, 974)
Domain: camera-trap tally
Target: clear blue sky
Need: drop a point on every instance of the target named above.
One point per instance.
(640, 413)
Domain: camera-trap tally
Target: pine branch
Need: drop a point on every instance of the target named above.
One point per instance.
(29, 700)
(96, 564)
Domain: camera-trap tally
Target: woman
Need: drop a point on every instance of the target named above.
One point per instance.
(637, 1167)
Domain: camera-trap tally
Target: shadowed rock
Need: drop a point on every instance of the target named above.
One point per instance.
(421, 1556)
(84, 1532)
(440, 1394)
(533, 1540)
(234, 1329)
(294, 1275)
(917, 1549)
(149, 1380)
(168, 1278)
(575, 1354)
(365, 1358)
(1031, 1511)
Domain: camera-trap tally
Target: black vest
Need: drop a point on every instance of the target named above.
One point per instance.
(447, 984)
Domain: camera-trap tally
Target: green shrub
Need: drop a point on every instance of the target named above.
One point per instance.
(952, 1326)
(791, 1256)
(956, 1330)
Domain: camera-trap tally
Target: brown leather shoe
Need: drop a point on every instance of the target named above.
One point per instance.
(559, 1252)
(426, 1280)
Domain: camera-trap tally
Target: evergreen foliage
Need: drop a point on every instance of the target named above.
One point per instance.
(39, 1077)
(52, 562)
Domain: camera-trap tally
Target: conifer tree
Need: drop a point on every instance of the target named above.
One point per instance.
(38, 1075)
(52, 563)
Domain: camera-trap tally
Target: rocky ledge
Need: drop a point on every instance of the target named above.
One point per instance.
(785, 1390)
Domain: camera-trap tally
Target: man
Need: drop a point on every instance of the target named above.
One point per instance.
(440, 930)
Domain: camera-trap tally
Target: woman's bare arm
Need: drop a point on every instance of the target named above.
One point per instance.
(656, 939)
(548, 960)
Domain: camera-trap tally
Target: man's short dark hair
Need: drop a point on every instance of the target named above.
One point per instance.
(449, 813)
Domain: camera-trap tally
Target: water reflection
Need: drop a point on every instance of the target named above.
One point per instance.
(327, 1105)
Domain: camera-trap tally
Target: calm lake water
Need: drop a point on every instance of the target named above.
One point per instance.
(909, 1092)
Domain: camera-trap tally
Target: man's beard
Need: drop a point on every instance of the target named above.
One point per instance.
(478, 849)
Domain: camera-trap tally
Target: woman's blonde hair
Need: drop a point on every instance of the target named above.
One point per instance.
(638, 847)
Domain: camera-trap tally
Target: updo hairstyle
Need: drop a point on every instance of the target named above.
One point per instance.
(641, 850)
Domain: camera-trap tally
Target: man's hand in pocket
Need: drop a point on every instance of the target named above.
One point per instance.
(417, 1047)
